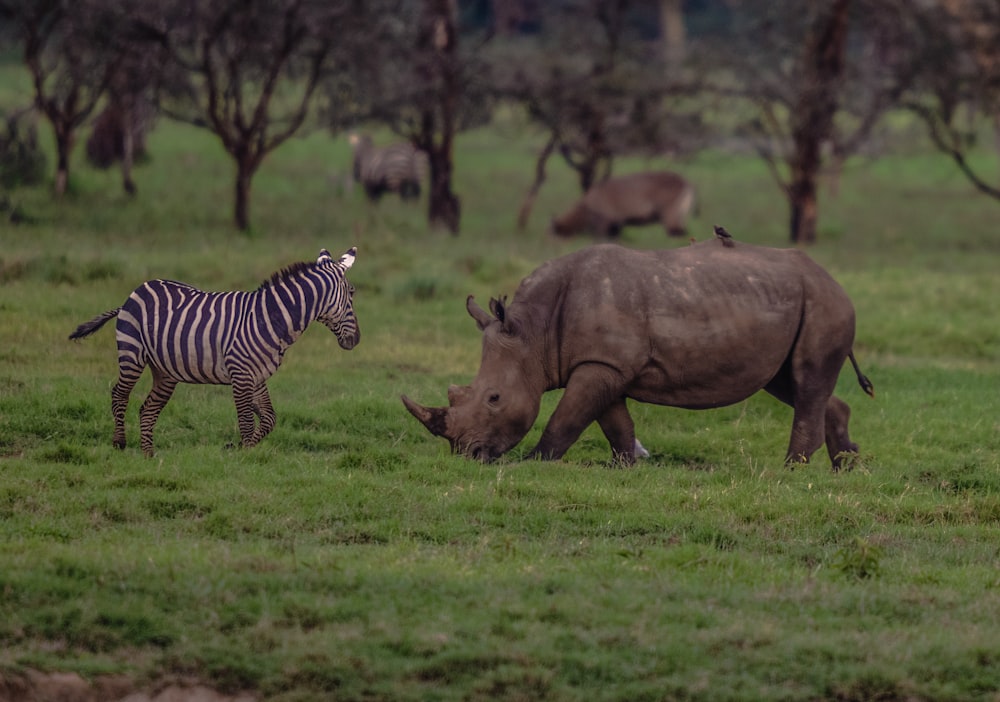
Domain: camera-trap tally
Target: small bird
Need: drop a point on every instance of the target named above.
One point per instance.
(725, 237)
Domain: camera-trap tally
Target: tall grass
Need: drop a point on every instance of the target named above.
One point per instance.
(349, 556)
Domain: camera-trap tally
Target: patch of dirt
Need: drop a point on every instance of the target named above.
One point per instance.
(34, 686)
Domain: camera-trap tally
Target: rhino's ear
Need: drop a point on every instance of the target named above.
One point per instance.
(477, 313)
(498, 308)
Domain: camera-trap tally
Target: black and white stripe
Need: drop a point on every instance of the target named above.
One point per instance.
(396, 168)
(187, 335)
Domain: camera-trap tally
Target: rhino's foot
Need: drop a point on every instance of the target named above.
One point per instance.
(793, 461)
(846, 459)
(624, 459)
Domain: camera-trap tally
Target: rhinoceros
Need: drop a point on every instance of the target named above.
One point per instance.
(633, 199)
(696, 327)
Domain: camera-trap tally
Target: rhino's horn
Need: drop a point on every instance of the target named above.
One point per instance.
(434, 418)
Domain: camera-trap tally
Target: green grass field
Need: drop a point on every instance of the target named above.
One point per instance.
(350, 557)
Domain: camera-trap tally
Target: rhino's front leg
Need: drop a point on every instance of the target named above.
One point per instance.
(591, 390)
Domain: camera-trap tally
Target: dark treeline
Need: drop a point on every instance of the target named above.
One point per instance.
(804, 85)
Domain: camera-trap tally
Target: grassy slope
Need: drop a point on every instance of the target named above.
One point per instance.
(350, 553)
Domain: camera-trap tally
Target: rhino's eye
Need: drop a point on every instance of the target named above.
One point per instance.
(494, 398)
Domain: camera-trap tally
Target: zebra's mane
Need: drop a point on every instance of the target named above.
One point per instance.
(285, 273)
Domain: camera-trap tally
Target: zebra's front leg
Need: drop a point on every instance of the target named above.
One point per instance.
(159, 395)
(244, 393)
(252, 401)
(265, 413)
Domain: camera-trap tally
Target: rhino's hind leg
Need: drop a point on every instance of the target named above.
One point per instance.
(838, 443)
(807, 432)
(815, 423)
(808, 428)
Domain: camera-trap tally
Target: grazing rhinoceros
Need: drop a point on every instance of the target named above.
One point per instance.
(696, 327)
(633, 199)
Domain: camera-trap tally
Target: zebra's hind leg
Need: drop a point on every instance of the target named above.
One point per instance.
(245, 397)
(159, 395)
(265, 412)
(128, 376)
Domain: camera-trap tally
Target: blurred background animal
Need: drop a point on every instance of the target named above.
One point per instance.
(628, 200)
(396, 168)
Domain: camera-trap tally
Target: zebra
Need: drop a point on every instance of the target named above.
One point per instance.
(397, 168)
(187, 335)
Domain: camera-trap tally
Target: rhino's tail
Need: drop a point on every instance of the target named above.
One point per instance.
(863, 381)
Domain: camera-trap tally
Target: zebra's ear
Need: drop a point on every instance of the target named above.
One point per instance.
(347, 260)
(324, 257)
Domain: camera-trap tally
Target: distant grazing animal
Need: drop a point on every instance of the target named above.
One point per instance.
(695, 327)
(634, 199)
(396, 168)
(187, 335)
(725, 237)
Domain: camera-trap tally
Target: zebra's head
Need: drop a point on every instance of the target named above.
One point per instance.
(338, 312)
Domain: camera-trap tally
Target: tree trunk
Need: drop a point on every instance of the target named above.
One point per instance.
(529, 199)
(128, 143)
(244, 174)
(812, 124)
(438, 42)
(672, 33)
(804, 208)
(443, 206)
(590, 154)
(64, 145)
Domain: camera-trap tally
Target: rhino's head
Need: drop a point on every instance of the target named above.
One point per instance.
(488, 418)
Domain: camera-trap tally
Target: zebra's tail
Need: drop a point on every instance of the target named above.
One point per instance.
(88, 328)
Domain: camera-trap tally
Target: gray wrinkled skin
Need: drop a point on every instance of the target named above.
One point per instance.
(697, 327)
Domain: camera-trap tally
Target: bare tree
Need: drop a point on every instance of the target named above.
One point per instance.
(598, 89)
(814, 99)
(439, 72)
(119, 131)
(421, 77)
(813, 112)
(70, 49)
(959, 79)
(237, 56)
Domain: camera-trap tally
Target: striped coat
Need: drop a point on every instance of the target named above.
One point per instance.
(397, 168)
(187, 335)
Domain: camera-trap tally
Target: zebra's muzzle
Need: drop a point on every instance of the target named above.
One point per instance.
(349, 341)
